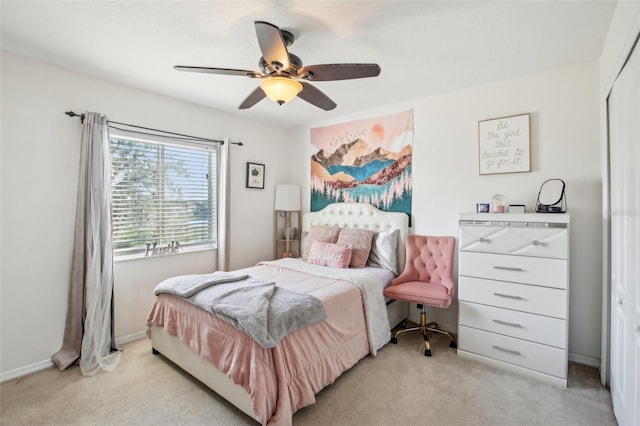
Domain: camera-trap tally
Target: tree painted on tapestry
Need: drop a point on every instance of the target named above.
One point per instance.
(366, 161)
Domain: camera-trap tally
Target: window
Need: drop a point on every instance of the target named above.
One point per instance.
(164, 196)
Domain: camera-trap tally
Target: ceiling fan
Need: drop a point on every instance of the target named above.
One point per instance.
(283, 75)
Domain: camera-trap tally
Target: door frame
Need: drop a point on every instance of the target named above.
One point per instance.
(625, 52)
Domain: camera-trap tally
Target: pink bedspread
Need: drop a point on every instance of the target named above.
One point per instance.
(286, 378)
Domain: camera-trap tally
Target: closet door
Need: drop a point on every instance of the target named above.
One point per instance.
(624, 162)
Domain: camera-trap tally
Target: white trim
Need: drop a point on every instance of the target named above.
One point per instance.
(584, 360)
(42, 365)
(27, 369)
(624, 51)
(131, 337)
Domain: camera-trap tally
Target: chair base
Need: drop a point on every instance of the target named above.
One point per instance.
(424, 328)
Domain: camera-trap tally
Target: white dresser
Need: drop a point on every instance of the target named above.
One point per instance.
(513, 289)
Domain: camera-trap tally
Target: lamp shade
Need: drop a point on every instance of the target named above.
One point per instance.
(287, 197)
(280, 89)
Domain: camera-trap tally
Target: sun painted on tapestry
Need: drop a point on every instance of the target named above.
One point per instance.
(366, 161)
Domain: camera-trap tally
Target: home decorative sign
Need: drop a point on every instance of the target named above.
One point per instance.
(255, 175)
(504, 145)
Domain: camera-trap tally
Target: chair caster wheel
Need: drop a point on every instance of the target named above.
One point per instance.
(394, 340)
(453, 345)
(427, 352)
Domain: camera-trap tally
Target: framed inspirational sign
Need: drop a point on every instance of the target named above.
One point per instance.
(503, 145)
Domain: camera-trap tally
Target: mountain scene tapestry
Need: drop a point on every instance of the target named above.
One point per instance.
(366, 161)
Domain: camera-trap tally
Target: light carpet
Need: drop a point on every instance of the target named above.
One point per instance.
(398, 387)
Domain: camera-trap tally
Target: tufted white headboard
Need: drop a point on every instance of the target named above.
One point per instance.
(360, 216)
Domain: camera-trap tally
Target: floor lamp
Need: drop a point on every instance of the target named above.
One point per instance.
(287, 200)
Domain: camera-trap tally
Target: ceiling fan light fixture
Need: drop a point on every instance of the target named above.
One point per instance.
(280, 89)
(283, 76)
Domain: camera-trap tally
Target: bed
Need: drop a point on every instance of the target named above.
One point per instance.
(270, 384)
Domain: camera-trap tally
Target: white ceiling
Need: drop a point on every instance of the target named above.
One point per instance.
(423, 47)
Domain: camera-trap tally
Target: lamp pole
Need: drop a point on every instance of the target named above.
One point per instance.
(287, 231)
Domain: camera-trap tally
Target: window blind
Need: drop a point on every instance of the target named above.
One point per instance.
(163, 196)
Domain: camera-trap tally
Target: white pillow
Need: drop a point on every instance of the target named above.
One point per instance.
(384, 250)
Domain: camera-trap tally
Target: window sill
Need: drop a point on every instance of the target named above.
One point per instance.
(141, 256)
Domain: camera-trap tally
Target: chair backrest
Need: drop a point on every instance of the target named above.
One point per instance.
(429, 259)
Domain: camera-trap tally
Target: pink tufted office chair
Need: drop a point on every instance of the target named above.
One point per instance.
(426, 280)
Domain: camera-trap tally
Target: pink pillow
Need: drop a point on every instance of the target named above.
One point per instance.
(324, 234)
(360, 242)
(327, 254)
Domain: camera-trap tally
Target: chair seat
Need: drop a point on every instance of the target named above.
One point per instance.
(420, 292)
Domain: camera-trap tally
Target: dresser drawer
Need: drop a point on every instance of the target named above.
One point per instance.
(518, 269)
(518, 240)
(534, 328)
(520, 297)
(534, 356)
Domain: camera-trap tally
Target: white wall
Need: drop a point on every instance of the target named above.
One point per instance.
(563, 105)
(39, 168)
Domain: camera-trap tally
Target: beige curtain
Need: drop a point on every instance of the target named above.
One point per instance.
(89, 333)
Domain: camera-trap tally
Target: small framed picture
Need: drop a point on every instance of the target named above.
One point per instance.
(255, 175)
(482, 207)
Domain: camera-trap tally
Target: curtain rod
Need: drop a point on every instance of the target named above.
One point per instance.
(75, 114)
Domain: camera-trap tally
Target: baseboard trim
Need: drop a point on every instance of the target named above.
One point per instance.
(41, 365)
(23, 371)
(585, 360)
(131, 337)
(32, 368)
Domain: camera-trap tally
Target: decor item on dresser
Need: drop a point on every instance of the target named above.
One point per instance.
(551, 197)
(513, 285)
(516, 208)
(427, 279)
(287, 201)
(271, 383)
(498, 203)
(255, 175)
(503, 145)
(482, 207)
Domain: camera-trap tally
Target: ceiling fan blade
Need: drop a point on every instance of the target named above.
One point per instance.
(272, 45)
(225, 71)
(331, 72)
(316, 97)
(253, 98)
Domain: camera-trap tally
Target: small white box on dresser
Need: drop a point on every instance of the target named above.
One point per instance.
(513, 289)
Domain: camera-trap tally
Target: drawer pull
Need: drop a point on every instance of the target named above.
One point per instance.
(510, 324)
(537, 243)
(508, 296)
(508, 268)
(511, 351)
(483, 240)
